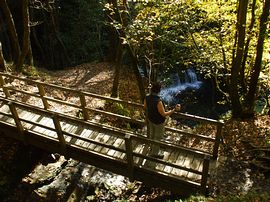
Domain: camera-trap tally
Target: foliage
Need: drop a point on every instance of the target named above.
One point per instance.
(179, 35)
(120, 109)
(81, 30)
(198, 198)
(172, 36)
(249, 197)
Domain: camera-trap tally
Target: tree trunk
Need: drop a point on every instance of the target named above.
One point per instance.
(12, 31)
(250, 29)
(251, 96)
(26, 35)
(118, 67)
(237, 60)
(137, 72)
(2, 60)
(62, 45)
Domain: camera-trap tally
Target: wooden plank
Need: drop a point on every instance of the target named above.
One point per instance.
(143, 149)
(87, 134)
(5, 109)
(98, 139)
(47, 121)
(28, 116)
(110, 141)
(76, 130)
(119, 143)
(38, 129)
(71, 129)
(188, 164)
(93, 137)
(81, 132)
(196, 164)
(107, 140)
(136, 149)
(4, 118)
(169, 156)
(180, 161)
(22, 115)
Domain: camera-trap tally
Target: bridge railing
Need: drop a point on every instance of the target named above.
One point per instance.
(86, 106)
(55, 123)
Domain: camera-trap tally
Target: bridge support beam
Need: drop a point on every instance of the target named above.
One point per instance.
(42, 94)
(59, 132)
(17, 121)
(205, 174)
(129, 152)
(2, 84)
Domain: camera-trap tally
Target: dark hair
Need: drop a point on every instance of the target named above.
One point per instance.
(156, 87)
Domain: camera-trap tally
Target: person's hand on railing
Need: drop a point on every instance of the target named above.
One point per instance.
(177, 107)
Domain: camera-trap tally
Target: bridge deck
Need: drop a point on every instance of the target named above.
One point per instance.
(30, 113)
(91, 140)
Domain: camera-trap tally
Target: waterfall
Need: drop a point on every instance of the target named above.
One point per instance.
(169, 94)
(190, 76)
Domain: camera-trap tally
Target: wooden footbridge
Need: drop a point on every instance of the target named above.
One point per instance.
(80, 125)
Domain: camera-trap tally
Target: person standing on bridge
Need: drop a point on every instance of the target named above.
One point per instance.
(156, 116)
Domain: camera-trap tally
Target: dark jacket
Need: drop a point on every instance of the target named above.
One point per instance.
(152, 111)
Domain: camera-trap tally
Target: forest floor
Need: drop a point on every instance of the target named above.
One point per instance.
(243, 173)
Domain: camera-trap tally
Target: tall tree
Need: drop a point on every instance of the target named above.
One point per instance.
(12, 30)
(118, 17)
(26, 35)
(243, 103)
(2, 60)
(255, 72)
(237, 59)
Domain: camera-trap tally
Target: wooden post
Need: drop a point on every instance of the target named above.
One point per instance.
(206, 162)
(42, 94)
(129, 153)
(217, 140)
(17, 121)
(2, 84)
(83, 105)
(59, 132)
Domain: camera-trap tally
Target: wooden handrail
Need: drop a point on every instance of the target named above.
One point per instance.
(82, 105)
(178, 114)
(197, 118)
(128, 137)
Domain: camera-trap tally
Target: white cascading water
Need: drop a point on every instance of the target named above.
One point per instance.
(169, 94)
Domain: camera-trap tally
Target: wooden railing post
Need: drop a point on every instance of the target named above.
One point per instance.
(2, 84)
(129, 154)
(83, 105)
(42, 94)
(205, 171)
(59, 132)
(217, 140)
(17, 121)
